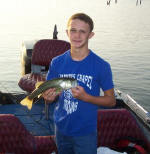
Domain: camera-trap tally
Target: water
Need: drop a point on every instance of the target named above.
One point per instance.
(122, 37)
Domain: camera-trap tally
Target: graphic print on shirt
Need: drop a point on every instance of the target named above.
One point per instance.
(71, 104)
(86, 79)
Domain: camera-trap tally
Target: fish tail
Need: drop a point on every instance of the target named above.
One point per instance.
(27, 102)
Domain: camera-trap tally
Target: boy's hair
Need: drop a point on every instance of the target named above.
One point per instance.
(83, 17)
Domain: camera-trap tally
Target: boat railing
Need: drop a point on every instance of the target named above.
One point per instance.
(134, 106)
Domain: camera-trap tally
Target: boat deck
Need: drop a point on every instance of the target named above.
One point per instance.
(113, 124)
(34, 120)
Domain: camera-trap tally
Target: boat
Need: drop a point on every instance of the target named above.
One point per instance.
(26, 132)
(123, 128)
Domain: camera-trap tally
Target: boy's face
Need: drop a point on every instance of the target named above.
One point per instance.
(79, 33)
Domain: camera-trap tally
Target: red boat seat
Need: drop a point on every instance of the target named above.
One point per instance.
(43, 52)
(114, 124)
(28, 81)
(14, 138)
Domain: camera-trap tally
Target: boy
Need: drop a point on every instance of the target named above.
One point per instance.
(75, 113)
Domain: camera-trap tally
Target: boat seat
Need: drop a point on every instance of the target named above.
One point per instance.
(14, 138)
(43, 52)
(115, 124)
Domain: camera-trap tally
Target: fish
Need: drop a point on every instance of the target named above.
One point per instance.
(60, 84)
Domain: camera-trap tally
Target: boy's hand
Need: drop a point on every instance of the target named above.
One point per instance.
(50, 95)
(79, 93)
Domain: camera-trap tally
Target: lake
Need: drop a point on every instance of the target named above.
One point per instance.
(122, 37)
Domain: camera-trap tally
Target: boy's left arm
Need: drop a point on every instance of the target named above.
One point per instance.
(107, 100)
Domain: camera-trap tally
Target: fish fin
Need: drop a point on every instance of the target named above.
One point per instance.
(27, 102)
(38, 84)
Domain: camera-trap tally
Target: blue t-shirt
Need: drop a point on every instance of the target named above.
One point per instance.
(74, 117)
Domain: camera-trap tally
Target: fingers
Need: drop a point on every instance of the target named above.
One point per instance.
(77, 91)
(49, 95)
(49, 91)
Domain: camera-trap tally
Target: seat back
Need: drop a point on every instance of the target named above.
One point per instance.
(43, 52)
(14, 138)
(46, 49)
(114, 124)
